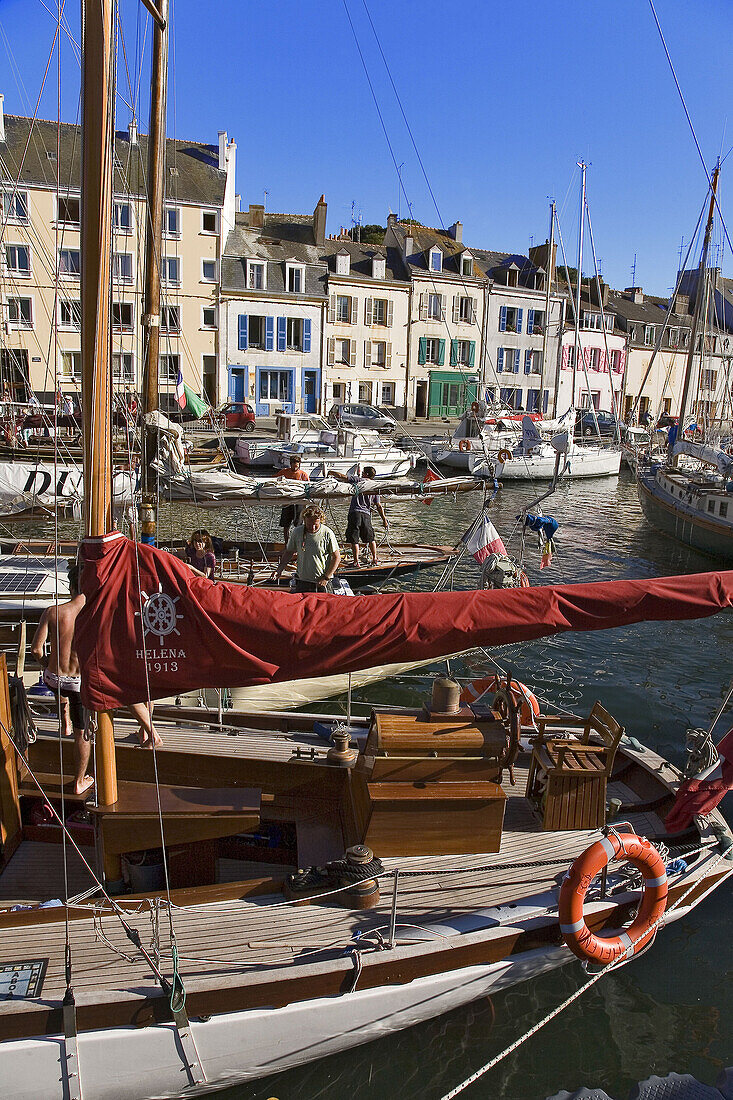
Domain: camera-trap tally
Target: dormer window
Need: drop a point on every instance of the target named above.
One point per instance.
(295, 278)
(436, 259)
(255, 275)
(379, 267)
(343, 263)
(467, 264)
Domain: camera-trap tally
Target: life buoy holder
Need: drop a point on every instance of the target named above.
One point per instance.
(504, 456)
(524, 699)
(576, 933)
(464, 445)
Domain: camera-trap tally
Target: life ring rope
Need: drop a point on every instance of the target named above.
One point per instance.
(504, 456)
(464, 445)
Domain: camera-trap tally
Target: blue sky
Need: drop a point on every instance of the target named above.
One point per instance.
(502, 100)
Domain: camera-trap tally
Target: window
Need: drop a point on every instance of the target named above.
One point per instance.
(122, 316)
(379, 311)
(339, 392)
(463, 353)
(616, 361)
(709, 379)
(466, 311)
(649, 333)
(294, 331)
(435, 307)
(379, 267)
(684, 338)
(365, 393)
(18, 259)
(467, 266)
(274, 385)
(632, 333)
(591, 320)
(508, 359)
(377, 353)
(594, 358)
(68, 211)
(436, 260)
(533, 401)
(123, 369)
(169, 367)
(170, 319)
(343, 263)
(171, 270)
(343, 308)
(69, 314)
(20, 312)
(14, 206)
(171, 221)
(535, 322)
(208, 271)
(673, 337)
(208, 317)
(295, 279)
(510, 319)
(256, 332)
(122, 217)
(122, 267)
(343, 352)
(432, 350)
(255, 275)
(71, 364)
(388, 393)
(209, 221)
(723, 510)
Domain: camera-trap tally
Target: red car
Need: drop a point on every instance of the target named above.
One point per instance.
(237, 414)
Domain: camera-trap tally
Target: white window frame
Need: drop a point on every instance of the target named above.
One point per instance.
(210, 214)
(649, 336)
(382, 302)
(591, 320)
(433, 298)
(70, 274)
(461, 347)
(343, 342)
(436, 254)
(8, 204)
(165, 328)
(20, 323)
(293, 324)
(388, 388)
(253, 265)
(214, 323)
(432, 343)
(122, 327)
(68, 222)
(168, 362)
(117, 278)
(176, 211)
(462, 300)
(17, 272)
(74, 310)
(118, 373)
(291, 269)
(72, 357)
(166, 263)
(122, 230)
(467, 267)
(209, 278)
(379, 267)
(349, 309)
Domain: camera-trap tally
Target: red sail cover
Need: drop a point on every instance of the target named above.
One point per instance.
(143, 602)
(703, 793)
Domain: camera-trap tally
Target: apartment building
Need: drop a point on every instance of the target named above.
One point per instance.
(367, 325)
(40, 256)
(597, 381)
(273, 303)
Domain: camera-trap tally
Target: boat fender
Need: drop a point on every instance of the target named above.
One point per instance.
(464, 445)
(586, 945)
(504, 456)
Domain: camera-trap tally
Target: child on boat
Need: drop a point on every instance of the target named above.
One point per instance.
(200, 553)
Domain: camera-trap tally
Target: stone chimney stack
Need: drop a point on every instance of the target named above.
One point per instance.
(540, 257)
(456, 232)
(132, 131)
(682, 304)
(319, 222)
(256, 216)
(636, 294)
(409, 245)
(391, 219)
(2, 117)
(222, 150)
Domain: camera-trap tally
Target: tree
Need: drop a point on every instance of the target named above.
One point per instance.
(367, 234)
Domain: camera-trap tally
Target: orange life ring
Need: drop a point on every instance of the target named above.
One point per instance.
(525, 700)
(464, 445)
(504, 456)
(475, 408)
(576, 933)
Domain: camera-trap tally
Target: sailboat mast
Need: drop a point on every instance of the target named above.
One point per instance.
(549, 265)
(153, 260)
(581, 223)
(699, 299)
(96, 346)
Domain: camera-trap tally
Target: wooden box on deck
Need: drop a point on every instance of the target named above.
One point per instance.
(419, 735)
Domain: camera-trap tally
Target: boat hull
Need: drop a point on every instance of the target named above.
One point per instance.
(680, 521)
(590, 462)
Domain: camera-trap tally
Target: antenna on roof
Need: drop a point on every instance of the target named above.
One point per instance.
(265, 193)
(355, 223)
(679, 253)
(633, 272)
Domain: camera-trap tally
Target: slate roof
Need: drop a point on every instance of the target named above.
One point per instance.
(284, 238)
(361, 259)
(424, 238)
(652, 311)
(198, 179)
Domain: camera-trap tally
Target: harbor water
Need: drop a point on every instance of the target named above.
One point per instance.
(672, 1008)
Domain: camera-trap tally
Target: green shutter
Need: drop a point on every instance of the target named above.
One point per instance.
(422, 351)
(454, 353)
(441, 352)
(472, 354)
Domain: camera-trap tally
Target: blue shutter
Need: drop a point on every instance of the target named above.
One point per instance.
(502, 319)
(422, 351)
(499, 360)
(242, 341)
(269, 333)
(530, 322)
(519, 319)
(306, 334)
(454, 353)
(441, 352)
(517, 358)
(528, 362)
(545, 400)
(472, 354)
(282, 333)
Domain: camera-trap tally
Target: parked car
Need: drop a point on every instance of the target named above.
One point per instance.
(361, 416)
(236, 414)
(586, 423)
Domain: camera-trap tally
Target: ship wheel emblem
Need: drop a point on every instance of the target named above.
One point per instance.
(159, 614)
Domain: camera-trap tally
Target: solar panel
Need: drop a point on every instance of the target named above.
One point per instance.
(17, 581)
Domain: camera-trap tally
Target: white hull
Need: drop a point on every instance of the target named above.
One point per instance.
(582, 462)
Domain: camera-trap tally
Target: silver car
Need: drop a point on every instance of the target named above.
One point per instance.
(360, 416)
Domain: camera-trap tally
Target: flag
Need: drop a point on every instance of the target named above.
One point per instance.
(703, 793)
(187, 399)
(484, 540)
(429, 476)
(180, 390)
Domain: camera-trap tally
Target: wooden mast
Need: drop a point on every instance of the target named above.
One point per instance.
(153, 249)
(581, 224)
(699, 299)
(96, 260)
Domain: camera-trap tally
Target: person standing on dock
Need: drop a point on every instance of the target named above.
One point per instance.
(317, 550)
(359, 521)
(290, 513)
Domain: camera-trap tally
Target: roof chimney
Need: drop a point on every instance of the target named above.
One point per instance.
(132, 131)
(456, 232)
(222, 150)
(256, 216)
(391, 219)
(319, 222)
(681, 304)
(541, 257)
(408, 245)
(2, 118)
(636, 294)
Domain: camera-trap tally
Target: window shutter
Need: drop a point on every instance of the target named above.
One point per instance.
(517, 357)
(502, 319)
(530, 322)
(269, 333)
(456, 309)
(454, 353)
(441, 352)
(242, 341)
(472, 354)
(307, 334)
(423, 308)
(499, 360)
(422, 351)
(367, 353)
(473, 311)
(388, 356)
(519, 319)
(368, 312)
(282, 333)
(442, 307)
(332, 309)
(354, 310)
(352, 353)
(331, 351)
(390, 312)
(528, 362)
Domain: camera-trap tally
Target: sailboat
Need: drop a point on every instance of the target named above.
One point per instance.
(432, 860)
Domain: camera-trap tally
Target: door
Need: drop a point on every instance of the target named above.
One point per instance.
(310, 391)
(421, 399)
(237, 383)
